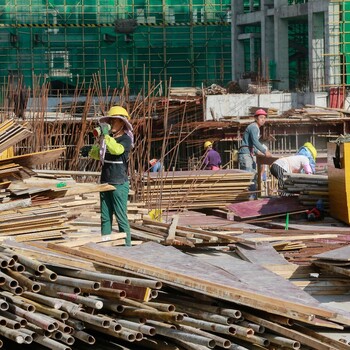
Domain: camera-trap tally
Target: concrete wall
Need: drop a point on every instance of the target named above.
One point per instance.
(235, 105)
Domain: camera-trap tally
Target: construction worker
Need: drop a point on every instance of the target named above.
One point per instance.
(251, 146)
(156, 165)
(310, 152)
(212, 159)
(115, 141)
(288, 165)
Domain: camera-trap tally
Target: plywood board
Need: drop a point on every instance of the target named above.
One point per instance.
(266, 206)
(340, 254)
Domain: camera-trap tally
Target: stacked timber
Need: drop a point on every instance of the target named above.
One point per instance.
(308, 114)
(178, 235)
(310, 188)
(196, 189)
(11, 133)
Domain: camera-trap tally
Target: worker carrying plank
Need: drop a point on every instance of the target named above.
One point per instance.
(115, 140)
(251, 146)
(212, 159)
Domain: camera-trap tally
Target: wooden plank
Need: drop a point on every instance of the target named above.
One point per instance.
(81, 241)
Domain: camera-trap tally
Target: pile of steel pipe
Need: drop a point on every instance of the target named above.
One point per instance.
(61, 308)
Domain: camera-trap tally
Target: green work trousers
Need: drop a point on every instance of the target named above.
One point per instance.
(115, 203)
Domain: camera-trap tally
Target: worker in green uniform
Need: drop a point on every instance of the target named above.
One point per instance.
(115, 141)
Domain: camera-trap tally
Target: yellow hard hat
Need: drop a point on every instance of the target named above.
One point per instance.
(312, 149)
(118, 111)
(207, 144)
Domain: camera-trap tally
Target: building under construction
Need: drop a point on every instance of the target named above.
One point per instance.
(208, 268)
(102, 52)
(292, 44)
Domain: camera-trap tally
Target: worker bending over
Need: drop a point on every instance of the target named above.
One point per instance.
(288, 165)
(251, 146)
(212, 160)
(115, 141)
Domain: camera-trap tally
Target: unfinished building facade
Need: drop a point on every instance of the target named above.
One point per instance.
(293, 44)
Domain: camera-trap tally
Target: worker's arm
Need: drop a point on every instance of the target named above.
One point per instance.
(113, 146)
(307, 169)
(258, 146)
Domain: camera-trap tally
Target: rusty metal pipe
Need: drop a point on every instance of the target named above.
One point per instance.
(18, 267)
(67, 339)
(29, 333)
(64, 328)
(48, 275)
(3, 305)
(24, 281)
(208, 326)
(205, 315)
(31, 263)
(22, 321)
(144, 329)
(219, 341)
(93, 303)
(92, 319)
(84, 337)
(76, 324)
(254, 339)
(140, 282)
(188, 337)
(28, 339)
(9, 281)
(18, 301)
(16, 291)
(110, 305)
(51, 289)
(255, 327)
(38, 330)
(91, 275)
(161, 306)
(55, 313)
(43, 299)
(12, 334)
(10, 323)
(115, 326)
(36, 318)
(6, 261)
(106, 292)
(75, 282)
(51, 344)
(283, 341)
(57, 335)
(154, 315)
(236, 314)
(122, 334)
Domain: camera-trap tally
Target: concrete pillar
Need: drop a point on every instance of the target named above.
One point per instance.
(267, 44)
(316, 51)
(237, 52)
(281, 53)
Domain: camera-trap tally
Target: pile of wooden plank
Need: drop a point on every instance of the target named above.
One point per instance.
(196, 189)
(11, 133)
(310, 188)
